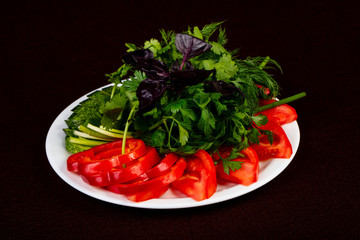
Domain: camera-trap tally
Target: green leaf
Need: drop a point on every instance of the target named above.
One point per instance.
(153, 45)
(175, 107)
(112, 110)
(260, 120)
(253, 136)
(218, 48)
(132, 84)
(222, 36)
(208, 64)
(188, 113)
(131, 47)
(183, 135)
(209, 29)
(220, 107)
(231, 165)
(158, 138)
(206, 122)
(167, 35)
(117, 77)
(225, 68)
(201, 99)
(197, 33)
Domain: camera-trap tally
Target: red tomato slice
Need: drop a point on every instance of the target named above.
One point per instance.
(281, 147)
(131, 171)
(160, 169)
(105, 156)
(249, 171)
(130, 189)
(134, 169)
(146, 195)
(281, 114)
(199, 179)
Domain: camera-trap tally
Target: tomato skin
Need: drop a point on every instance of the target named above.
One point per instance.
(163, 167)
(137, 167)
(281, 114)
(147, 195)
(166, 179)
(281, 147)
(199, 179)
(105, 156)
(249, 171)
(141, 165)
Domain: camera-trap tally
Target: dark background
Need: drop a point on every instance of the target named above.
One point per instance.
(53, 53)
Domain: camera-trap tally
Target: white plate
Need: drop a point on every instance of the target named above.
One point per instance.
(57, 155)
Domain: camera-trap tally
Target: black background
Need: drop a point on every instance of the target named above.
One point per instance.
(53, 53)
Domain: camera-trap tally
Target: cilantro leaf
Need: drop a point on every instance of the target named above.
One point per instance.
(259, 120)
(225, 68)
(153, 45)
(183, 135)
(133, 83)
(231, 165)
(206, 122)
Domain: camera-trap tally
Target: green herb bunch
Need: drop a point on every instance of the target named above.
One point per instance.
(188, 114)
(199, 117)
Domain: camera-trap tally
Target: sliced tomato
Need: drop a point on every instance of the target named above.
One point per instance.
(249, 171)
(199, 179)
(105, 156)
(163, 167)
(124, 173)
(281, 114)
(281, 146)
(135, 168)
(159, 182)
(147, 195)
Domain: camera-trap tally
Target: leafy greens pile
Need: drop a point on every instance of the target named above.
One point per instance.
(182, 93)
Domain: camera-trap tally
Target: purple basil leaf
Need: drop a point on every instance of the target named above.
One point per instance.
(190, 46)
(132, 57)
(144, 60)
(153, 68)
(226, 89)
(149, 91)
(176, 66)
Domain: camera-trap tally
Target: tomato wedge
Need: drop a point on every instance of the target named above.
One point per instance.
(281, 146)
(199, 179)
(249, 171)
(281, 114)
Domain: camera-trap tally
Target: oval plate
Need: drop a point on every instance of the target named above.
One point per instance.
(57, 156)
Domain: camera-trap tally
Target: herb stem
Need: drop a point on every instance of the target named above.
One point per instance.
(264, 62)
(132, 111)
(113, 91)
(282, 101)
(182, 64)
(170, 130)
